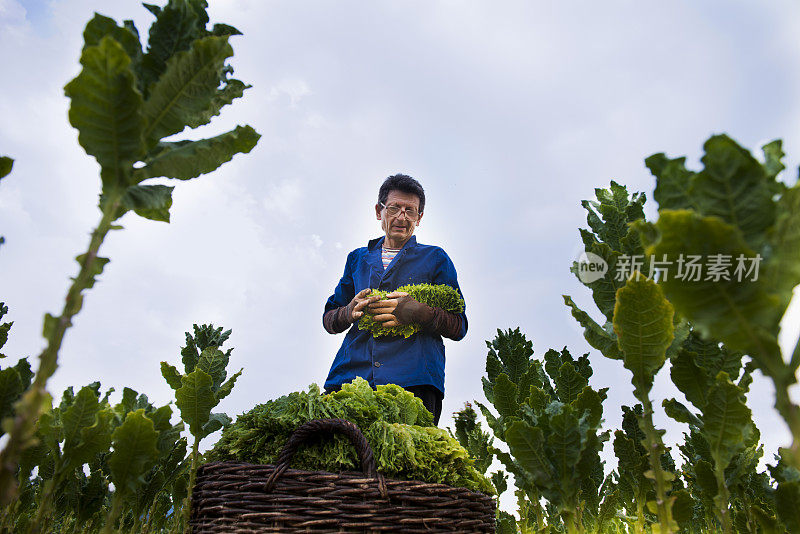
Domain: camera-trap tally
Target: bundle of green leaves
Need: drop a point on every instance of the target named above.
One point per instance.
(434, 295)
(396, 424)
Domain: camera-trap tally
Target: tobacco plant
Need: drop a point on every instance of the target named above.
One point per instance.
(124, 103)
(550, 418)
(198, 391)
(641, 327)
(735, 209)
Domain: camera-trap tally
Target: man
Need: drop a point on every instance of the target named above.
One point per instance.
(386, 263)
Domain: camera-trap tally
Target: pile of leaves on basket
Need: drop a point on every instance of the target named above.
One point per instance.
(397, 426)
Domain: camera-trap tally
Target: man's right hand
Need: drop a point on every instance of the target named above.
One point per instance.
(356, 307)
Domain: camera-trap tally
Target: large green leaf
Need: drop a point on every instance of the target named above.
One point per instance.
(189, 159)
(11, 389)
(528, 447)
(6, 164)
(227, 386)
(135, 451)
(95, 439)
(734, 187)
(505, 396)
(782, 273)
(195, 399)
(149, 201)
(512, 351)
(727, 421)
(82, 414)
(566, 440)
(740, 313)
(106, 109)
(175, 28)
(596, 336)
(171, 375)
(186, 88)
(643, 324)
(101, 26)
(673, 182)
(787, 503)
(569, 383)
(213, 361)
(692, 381)
(232, 90)
(215, 422)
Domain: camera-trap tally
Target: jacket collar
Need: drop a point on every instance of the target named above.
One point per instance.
(376, 243)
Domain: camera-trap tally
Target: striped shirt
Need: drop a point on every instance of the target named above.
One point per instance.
(387, 255)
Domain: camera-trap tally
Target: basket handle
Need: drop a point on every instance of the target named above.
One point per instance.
(328, 426)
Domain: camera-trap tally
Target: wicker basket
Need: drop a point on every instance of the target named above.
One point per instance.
(239, 497)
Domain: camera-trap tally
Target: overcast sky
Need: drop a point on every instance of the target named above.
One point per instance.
(508, 113)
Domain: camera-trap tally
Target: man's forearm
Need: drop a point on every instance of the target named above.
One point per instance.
(336, 321)
(444, 323)
(432, 320)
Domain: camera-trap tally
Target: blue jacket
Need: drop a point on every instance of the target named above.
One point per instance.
(414, 361)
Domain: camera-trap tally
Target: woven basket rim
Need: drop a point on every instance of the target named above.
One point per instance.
(349, 474)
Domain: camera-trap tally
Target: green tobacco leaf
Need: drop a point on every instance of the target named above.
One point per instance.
(171, 375)
(727, 421)
(616, 210)
(149, 201)
(566, 441)
(704, 473)
(135, 451)
(569, 384)
(101, 26)
(186, 88)
(527, 445)
(595, 335)
(782, 272)
(734, 187)
(174, 30)
(189, 159)
(672, 182)
(225, 389)
(94, 440)
(106, 109)
(692, 381)
(787, 503)
(195, 399)
(773, 156)
(233, 89)
(215, 422)
(513, 351)
(80, 415)
(604, 289)
(11, 389)
(590, 402)
(643, 324)
(213, 361)
(683, 508)
(680, 413)
(6, 164)
(739, 313)
(505, 396)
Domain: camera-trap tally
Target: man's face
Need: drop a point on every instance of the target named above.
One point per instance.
(398, 228)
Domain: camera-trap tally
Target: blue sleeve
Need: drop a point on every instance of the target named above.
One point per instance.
(445, 273)
(345, 290)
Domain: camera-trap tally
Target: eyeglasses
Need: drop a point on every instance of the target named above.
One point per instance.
(411, 213)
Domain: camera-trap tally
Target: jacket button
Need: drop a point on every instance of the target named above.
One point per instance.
(377, 364)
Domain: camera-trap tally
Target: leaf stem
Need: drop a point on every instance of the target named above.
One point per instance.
(36, 398)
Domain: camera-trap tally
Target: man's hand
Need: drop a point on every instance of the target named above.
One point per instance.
(390, 311)
(355, 309)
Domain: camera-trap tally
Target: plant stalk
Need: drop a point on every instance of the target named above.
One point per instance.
(187, 507)
(36, 399)
(655, 447)
(114, 513)
(721, 500)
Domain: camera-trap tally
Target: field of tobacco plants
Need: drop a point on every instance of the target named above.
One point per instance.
(85, 464)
